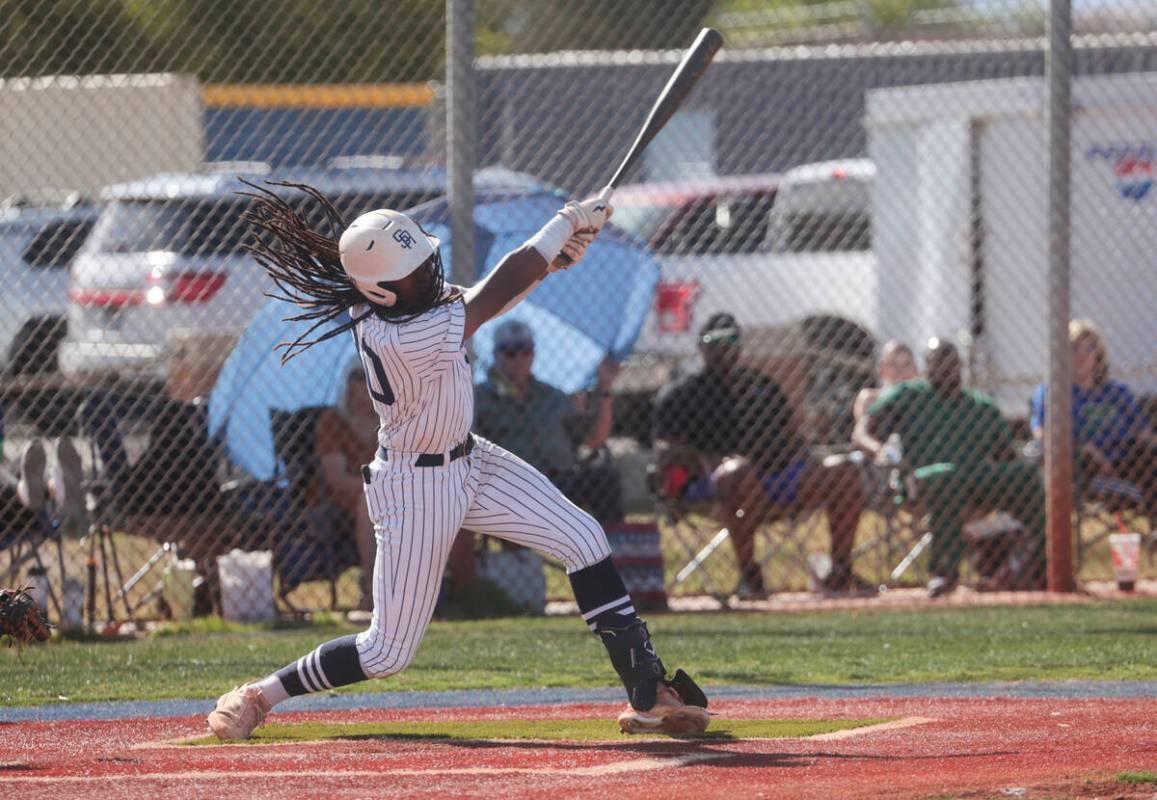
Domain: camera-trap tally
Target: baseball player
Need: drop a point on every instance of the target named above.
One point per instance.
(430, 475)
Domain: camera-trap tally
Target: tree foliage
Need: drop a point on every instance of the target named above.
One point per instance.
(304, 41)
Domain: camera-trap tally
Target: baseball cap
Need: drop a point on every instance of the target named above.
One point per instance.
(720, 328)
(513, 333)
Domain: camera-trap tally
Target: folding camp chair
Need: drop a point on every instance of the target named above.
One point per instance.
(1101, 506)
(897, 528)
(170, 496)
(311, 541)
(784, 538)
(22, 546)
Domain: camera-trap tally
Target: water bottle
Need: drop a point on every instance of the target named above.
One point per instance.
(893, 456)
(72, 605)
(38, 587)
(893, 450)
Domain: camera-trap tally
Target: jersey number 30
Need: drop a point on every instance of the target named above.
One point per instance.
(386, 394)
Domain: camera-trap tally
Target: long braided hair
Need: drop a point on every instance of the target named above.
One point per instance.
(306, 267)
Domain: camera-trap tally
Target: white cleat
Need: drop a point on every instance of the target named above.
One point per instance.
(669, 715)
(239, 713)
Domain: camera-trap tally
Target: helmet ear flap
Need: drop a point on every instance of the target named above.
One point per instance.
(389, 297)
(377, 293)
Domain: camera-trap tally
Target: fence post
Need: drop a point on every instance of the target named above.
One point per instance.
(461, 130)
(1058, 439)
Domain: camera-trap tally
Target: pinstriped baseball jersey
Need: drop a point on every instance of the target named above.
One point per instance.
(422, 389)
(419, 378)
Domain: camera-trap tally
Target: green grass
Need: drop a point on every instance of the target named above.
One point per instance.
(1098, 641)
(576, 730)
(1144, 776)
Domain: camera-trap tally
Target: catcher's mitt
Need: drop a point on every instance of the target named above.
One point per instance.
(20, 618)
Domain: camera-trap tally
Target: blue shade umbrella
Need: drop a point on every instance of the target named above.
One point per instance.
(253, 384)
(579, 316)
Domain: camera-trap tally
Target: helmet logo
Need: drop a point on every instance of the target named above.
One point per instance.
(404, 238)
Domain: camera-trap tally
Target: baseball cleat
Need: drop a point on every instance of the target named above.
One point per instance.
(238, 713)
(669, 715)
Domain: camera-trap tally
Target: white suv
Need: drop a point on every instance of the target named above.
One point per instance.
(37, 245)
(167, 254)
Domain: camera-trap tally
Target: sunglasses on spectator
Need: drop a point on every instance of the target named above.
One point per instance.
(720, 338)
(516, 350)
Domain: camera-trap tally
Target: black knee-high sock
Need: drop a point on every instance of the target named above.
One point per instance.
(602, 596)
(607, 608)
(334, 664)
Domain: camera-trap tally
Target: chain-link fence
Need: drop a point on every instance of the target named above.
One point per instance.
(807, 360)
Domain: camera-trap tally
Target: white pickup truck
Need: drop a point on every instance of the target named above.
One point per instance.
(789, 255)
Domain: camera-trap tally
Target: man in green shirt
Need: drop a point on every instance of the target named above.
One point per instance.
(960, 449)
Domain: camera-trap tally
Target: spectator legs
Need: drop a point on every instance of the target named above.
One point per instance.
(838, 490)
(1017, 488)
(948, 491)
(743, 503)
(367, 552)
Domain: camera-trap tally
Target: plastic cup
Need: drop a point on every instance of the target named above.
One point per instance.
(1125, 549)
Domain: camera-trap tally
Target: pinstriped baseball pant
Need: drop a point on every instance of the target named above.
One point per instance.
(417, 512)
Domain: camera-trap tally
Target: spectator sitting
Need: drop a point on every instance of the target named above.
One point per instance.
(727, 433)
(1111, 434)
(172, 491)
(897, 364)
(345, 437)
(960, 448)
(24, 494)
(548, 428)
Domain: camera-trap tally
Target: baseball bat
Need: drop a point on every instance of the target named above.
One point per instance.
(694, 63)
(691, 67)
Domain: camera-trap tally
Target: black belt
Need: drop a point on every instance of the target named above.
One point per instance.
(436, 459)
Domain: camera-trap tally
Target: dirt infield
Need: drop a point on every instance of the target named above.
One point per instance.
(942, 747)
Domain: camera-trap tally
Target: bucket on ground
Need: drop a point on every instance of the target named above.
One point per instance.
(247, 586)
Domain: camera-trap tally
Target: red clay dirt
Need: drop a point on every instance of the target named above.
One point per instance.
(989, 747)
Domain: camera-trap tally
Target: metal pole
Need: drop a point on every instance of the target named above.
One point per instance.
(1058, 435)
(461, 130)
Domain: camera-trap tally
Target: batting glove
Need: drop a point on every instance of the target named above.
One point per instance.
(587, 215)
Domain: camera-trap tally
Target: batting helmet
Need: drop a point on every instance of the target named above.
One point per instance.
(383, 246)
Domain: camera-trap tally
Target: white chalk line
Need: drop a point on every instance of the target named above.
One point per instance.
(903, 722)
(618, 768)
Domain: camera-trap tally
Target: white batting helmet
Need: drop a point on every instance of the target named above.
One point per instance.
(383, 246)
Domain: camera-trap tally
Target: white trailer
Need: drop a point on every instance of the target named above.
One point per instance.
(80, 133)
(959, 222)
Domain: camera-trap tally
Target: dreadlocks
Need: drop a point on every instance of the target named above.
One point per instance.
(306, 267)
